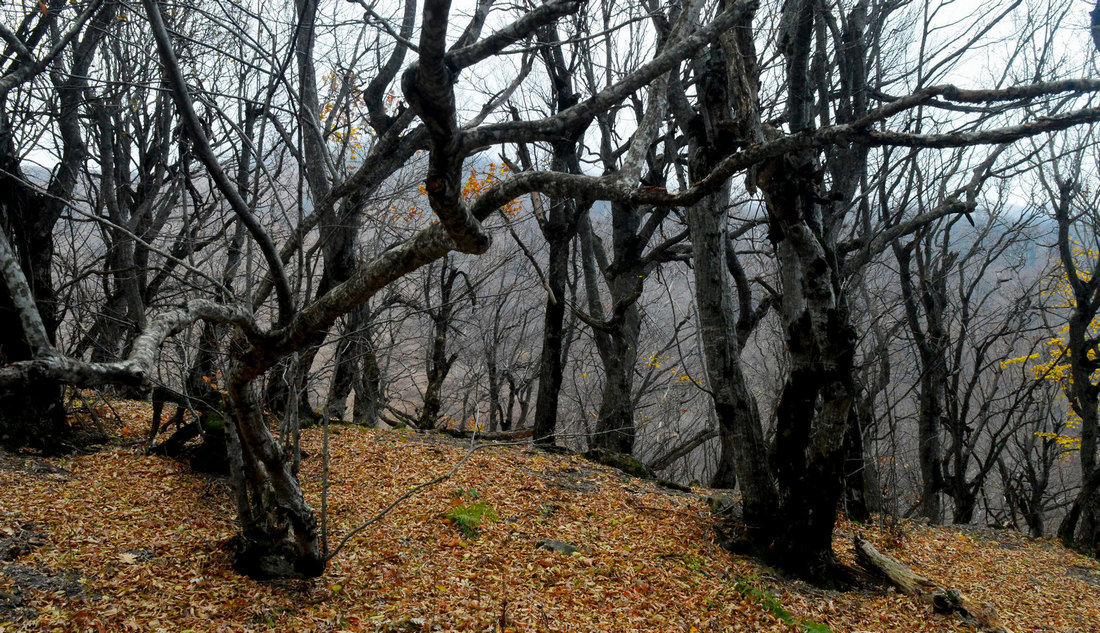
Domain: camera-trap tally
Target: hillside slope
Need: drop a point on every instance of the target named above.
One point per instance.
(117, 541)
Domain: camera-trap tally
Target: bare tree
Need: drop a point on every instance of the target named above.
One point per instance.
(309, 253)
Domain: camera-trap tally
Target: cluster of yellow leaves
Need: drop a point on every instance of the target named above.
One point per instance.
(681, 376)
(349, 123)
(149, 536)
(477, 182)
(343, 130)
(1054, 365)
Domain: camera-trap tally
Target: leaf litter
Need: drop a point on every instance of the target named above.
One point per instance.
(130, 542)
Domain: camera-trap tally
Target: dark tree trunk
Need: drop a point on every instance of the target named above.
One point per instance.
(369, 397)
(739, 423)
(858, 476)
(1033, 508)
(615, 424)
(804, 219)
(965, 503)
(809, 469)
(346, 363)
(931, 342)
(279, 534)
(559, 228)
(813, 410)
(726, 75)
(433, 393)
(725, 476)
(618, 334)
(125, 309)
(439, 361)
(1027, 480)
(495, 409)
(1081, 525)
(35, 416)
(519, 393)
(553, 329)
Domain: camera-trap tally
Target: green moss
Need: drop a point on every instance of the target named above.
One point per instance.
(626, 463)
(213, 422)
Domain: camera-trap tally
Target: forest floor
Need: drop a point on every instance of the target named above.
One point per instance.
(119, 541)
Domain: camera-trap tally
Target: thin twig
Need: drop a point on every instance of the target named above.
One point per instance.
(474, 447)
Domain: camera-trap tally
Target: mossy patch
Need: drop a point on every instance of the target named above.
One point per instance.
(620, 461)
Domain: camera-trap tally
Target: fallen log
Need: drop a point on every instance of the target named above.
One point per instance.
(499, 436)
(981, 616)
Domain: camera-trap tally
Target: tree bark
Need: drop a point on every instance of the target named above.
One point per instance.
(369, 394)
(859, 489)
(739, 425)
(35, 415)
(617, 336)
(1081, 526)
(931, 343)
(279, 533)
(551, 365)
(803, 221)
(726, 76)
(559, 227)
(346, 362)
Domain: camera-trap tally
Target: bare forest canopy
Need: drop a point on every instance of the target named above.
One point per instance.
(838, 255)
